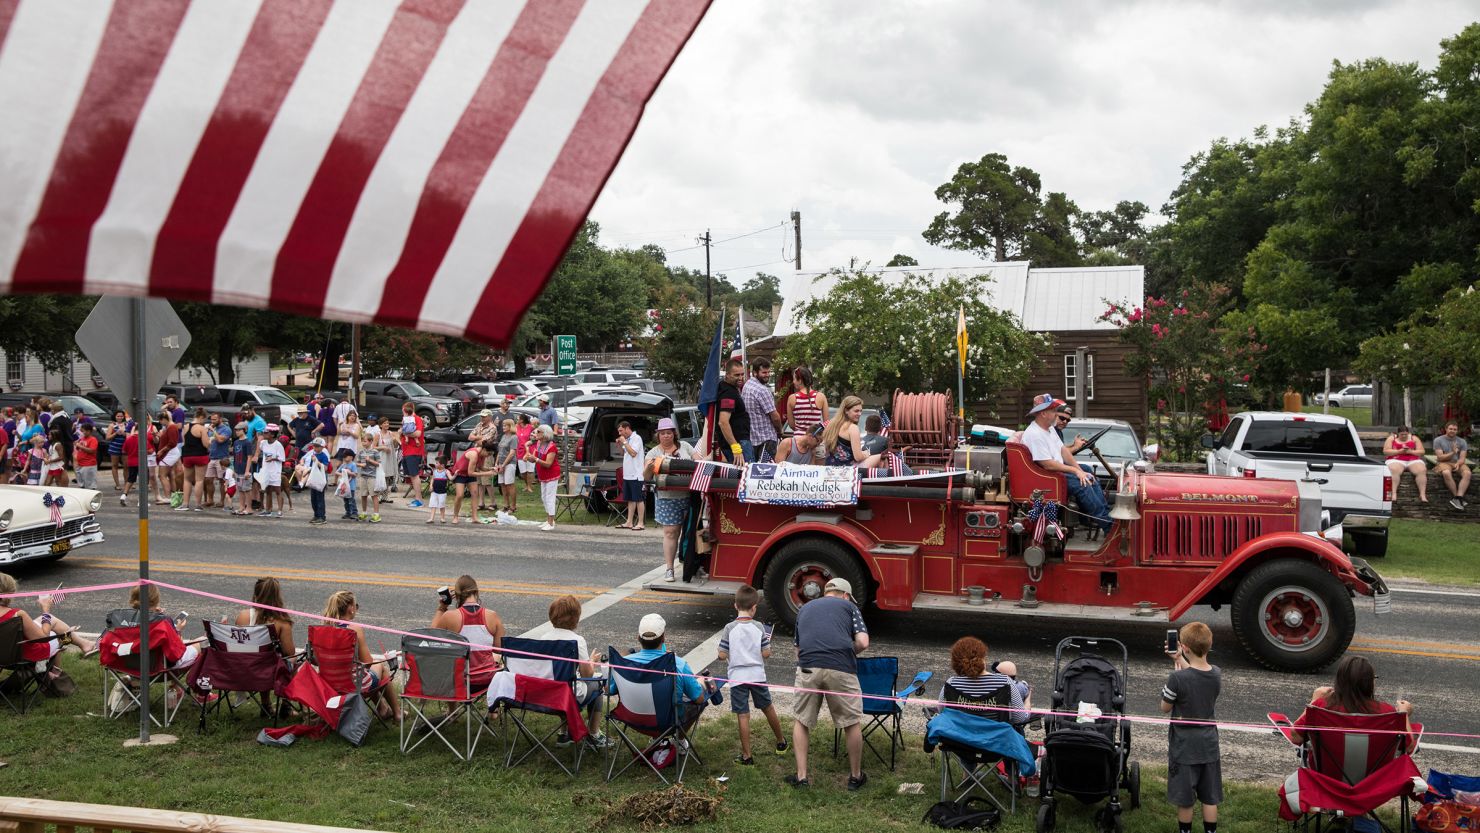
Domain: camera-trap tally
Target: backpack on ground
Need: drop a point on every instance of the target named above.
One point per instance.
(960, 815)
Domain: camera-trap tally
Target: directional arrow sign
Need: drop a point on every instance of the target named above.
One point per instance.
(107, 339)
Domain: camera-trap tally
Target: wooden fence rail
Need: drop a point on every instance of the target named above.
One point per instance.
(34, 815)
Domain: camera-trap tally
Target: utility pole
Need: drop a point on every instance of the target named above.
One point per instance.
(796, 225)
(354, 366)
(708, 281)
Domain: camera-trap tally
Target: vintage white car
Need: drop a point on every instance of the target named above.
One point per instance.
(30, 527)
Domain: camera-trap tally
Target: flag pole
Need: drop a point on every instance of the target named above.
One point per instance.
(740, 317)
(961, 368)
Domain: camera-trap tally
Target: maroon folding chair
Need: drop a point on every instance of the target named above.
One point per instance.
(244, 659)
(1351, 764)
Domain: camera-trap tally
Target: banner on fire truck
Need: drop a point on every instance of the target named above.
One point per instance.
(784, 484)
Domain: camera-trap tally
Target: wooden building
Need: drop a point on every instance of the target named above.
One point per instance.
(1064, 304)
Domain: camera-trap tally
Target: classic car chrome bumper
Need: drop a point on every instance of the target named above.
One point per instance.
(47, 540)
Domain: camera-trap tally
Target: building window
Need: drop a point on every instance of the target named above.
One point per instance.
(15, 368)
(1071, 378)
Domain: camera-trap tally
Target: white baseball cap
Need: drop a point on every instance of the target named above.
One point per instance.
(652, 626)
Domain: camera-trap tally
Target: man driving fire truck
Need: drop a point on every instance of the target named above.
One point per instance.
(1048, 451)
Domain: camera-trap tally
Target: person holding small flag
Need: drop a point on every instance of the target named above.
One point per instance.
(1049, 452)
(670, 506)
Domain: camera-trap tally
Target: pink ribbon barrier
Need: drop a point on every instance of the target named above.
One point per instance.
(919, 701)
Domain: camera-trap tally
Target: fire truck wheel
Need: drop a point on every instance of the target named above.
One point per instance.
(800, 570)
(1292, 615)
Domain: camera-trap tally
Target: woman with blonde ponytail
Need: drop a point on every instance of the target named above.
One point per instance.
(342, 606)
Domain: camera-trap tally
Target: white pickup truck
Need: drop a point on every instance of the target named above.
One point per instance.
(1356, 489)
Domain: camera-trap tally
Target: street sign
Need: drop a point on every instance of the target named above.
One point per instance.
(565, 355)
(107, 339)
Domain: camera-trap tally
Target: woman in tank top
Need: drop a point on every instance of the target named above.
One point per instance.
(194, 457)
(1404, 452)
(805, 407)
(841, 444)
(269, 594)
(459, 611)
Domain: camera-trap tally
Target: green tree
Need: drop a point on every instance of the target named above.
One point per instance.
(43, 326)
(1051, 240)
(681, 346)
(759, 294)
(1436, 346)
(856, 339)
(995, 204)
(599, 296)
(901, 260)
(1114, 237)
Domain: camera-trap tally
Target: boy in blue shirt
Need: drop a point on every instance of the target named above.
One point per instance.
(242, 452)
(345, 486)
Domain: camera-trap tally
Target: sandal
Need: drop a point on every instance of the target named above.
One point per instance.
(637, 528)
(623, 526)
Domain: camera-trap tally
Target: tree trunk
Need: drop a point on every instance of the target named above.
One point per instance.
(329, 363)
(1001, 253)
(225, 363)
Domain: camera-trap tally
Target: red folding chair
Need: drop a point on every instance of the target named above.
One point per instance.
(1351, 764)
(118, 654)
(439, 669)
(334, 652)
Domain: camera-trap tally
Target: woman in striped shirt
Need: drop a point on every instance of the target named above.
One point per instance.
(805, 407)
(972, 677)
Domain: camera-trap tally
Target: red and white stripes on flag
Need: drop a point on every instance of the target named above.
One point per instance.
(421, 163)
(699, 480)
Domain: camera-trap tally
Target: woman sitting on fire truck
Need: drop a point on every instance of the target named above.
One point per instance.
(841, 444)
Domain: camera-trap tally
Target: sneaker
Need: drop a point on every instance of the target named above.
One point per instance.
(600, 741)
(362, 517)
(546, 526)
(348, 518)
(793, 781)
(275, 515)
(375, 518)
(183, 508)
(744, 761)
(123, 500)
(197, 509)
(1457, 504)
(668, 576)
(416, 504)
(317, 521)
(782, 747)
(563, 740)
(856, 784)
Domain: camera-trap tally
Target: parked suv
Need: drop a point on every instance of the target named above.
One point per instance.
(598, 446)
(270, 403)
(386, 396)
(1351, 396)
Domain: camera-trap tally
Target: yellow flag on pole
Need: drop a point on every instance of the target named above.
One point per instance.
(961, 336)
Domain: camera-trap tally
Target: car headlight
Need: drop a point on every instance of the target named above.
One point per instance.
(95, 504)
(441, 407)
(5, 518)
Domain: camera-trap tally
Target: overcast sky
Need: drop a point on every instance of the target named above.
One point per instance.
(854, 112)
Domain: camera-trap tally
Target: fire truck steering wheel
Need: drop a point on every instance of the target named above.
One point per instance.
(1090, 443)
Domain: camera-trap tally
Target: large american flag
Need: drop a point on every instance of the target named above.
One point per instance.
(421, 163)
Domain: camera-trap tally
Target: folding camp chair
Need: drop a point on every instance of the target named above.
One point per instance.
(238, 659)
(535, 684)
(334, 651)
(615, 502)
(20, 678)
(577, 492)
(883, 708)
(118, 655)
(647, 703)
(439, 669)
(975, 741)
(1351, 764)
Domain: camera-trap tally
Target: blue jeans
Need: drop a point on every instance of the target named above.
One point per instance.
(316, 500)
(1090, 498)
(350, 509)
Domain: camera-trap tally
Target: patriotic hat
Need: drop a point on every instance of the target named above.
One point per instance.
(1043, 402)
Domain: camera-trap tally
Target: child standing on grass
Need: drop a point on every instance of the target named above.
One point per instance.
(746, 644)
(1193, 770)
(437, 500)
(345, 482)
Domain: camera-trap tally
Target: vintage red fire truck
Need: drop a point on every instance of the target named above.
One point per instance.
(1178, 541)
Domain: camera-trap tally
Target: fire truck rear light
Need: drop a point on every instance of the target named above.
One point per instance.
(1387, 489)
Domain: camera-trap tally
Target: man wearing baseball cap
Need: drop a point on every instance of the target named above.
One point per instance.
(830, 635)
(548, 416)
(689, 691)
(1049, 452)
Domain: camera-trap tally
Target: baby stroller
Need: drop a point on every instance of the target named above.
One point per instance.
(1088, 758)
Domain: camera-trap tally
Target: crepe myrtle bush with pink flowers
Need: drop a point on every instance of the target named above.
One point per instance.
(1190, 361)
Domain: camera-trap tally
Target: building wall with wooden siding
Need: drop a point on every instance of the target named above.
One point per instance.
(1117, 393)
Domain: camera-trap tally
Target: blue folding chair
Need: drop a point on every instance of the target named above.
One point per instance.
(647, 704)
(877, 677)
(530, 658)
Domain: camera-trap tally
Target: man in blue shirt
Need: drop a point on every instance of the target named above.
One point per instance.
(548, 415)
(254, 422)
(829, 635)
(650, 637)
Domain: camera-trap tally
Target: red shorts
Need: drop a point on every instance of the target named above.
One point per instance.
(192, 462)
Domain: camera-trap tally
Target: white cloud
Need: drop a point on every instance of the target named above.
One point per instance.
(853, 112)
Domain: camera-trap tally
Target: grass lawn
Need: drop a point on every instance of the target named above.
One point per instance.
(1437, 552)
(1360, 417)
(60, 751)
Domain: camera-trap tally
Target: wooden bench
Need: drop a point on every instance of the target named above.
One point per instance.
(34, 815)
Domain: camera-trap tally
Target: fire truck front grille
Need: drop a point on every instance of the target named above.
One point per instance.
(1184, 537)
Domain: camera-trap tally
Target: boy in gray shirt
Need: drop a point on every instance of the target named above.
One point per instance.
(745, 644)
(1191, 692)
(1451, 453)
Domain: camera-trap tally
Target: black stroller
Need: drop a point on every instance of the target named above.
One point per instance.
(1088, 760)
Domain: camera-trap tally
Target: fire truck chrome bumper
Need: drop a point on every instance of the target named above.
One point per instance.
(1382, 597)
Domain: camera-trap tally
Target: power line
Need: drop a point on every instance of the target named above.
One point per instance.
(726, 240)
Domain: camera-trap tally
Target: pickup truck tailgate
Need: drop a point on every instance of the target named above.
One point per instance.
(1351, 483)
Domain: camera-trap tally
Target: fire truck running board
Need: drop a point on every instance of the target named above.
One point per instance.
(706, 588)
(935, 601)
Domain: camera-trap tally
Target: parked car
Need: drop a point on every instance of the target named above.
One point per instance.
(598, 447)
(1118, 445)
(70, 401)
(386, 396)
(1351, 396)
(106, 400)
(607, 377)
(270, 403)
(563, 398)
(471, 399)
(1356, 490)
(494, 391)
(28, 530)
(452, 440)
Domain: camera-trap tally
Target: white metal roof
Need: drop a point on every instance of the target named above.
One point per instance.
(1045, 300)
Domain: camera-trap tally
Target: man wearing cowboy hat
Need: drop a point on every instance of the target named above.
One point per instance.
(1049, 452)
(830, 635)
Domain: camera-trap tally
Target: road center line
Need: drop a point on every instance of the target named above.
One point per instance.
(601, 602)
(1462, 593)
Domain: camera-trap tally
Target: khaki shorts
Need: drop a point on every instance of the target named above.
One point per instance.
(846, 711)
(1440, 468)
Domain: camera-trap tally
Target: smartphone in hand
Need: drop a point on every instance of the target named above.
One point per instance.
(1172, 646)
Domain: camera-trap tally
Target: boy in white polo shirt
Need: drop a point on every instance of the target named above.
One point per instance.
(746, 644)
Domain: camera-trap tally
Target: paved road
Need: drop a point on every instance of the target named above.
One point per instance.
(1427, 651)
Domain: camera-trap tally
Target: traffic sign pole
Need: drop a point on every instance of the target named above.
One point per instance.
(141, 420)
